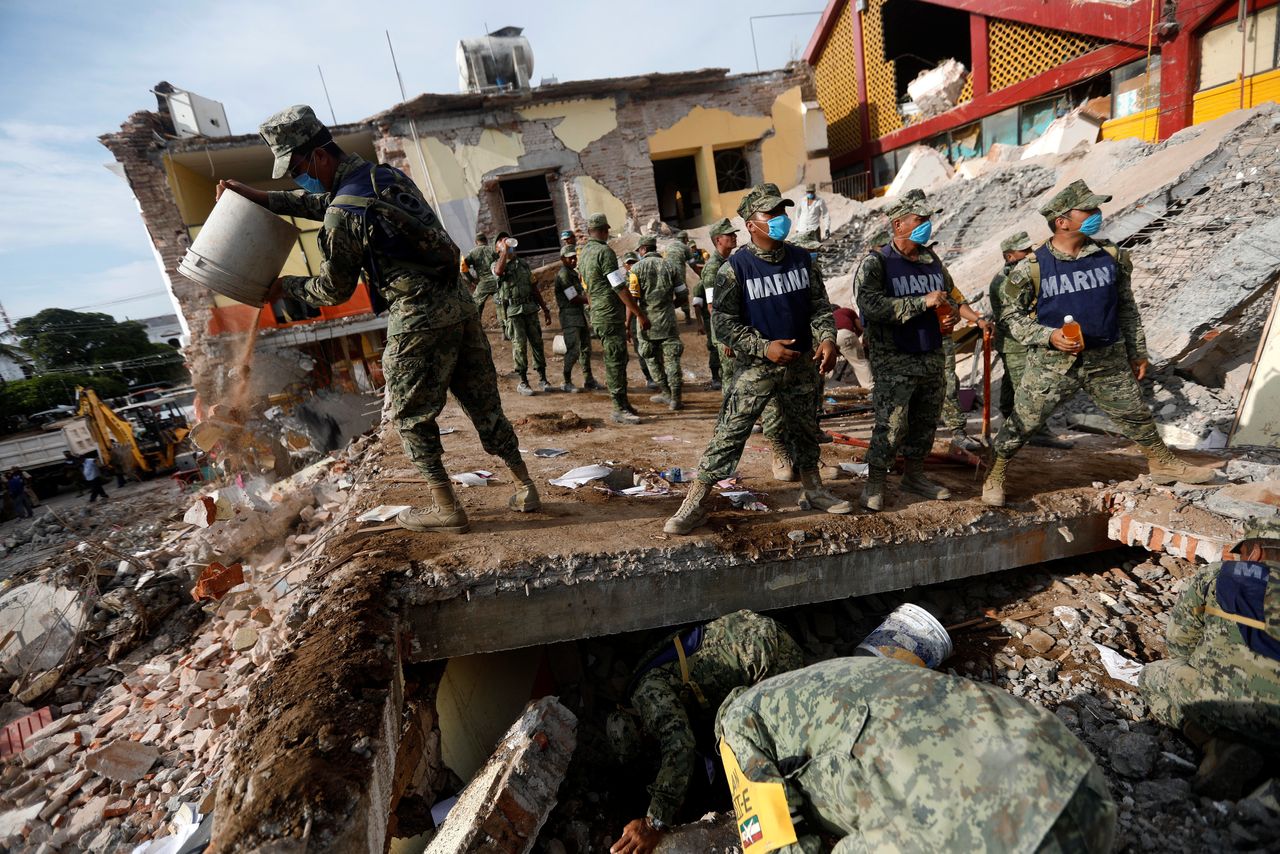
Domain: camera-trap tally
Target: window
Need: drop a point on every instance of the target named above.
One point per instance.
(1132, 91)
(1223, 57)
(1034, 118)
(883, 168)
(1001, 128)
(530, 213)
(732, 171)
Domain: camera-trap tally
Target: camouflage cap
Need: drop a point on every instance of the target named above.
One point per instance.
(1261, 528)
(597, 220)
(292, 129)
(1076, 196)
(910, 202)
(1015, 242)
(480, 235)
(761, 197)
(682, 235)
(722, 226)
(629, 258)
(568, 252)
(650, 240)
(811, 188)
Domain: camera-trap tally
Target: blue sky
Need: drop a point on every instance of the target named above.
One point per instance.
(70, 232)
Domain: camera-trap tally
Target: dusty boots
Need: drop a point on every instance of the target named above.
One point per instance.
(993, 486)
(445, 515)
(913, 480)
(1165, 468)
(784, 470)
(691, 513)
(815, 497)
(526, 499)
(873, 492)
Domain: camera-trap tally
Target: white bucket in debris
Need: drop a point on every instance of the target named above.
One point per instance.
(240, 250)
(909, 634)
(618, 277)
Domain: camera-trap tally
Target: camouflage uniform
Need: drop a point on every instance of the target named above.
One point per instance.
(660, 345)
(706, 280)
(737, 650)
(479, 263)
(886, 756)
(1012, 354)
(910, 387)
(517, 292)
(608, 315)
(434, 341)
(573, 322)
(1213, 678)
(677, 255)
(952, 415)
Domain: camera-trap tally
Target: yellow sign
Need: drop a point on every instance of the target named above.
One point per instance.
(764, 821)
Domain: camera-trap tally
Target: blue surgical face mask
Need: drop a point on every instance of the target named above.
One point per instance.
(306, 182)
(808, 195)
(780, 227)
(922, 232)
(1092, 224)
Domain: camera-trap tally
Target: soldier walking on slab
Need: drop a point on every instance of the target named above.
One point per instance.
(1075, 275)
(477, 266)
(376, 220)
(874, 754)
(673, 698)
(899, 289)
(770, 301)
(609, 302)
(522, 301)
(651, 284)
(571, 302)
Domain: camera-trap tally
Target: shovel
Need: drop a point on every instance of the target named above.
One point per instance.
(986, 387)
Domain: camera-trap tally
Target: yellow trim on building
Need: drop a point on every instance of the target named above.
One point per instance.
(1144, 126)
(1220, 100)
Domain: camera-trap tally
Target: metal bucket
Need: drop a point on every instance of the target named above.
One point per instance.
(240, 250)
(909, 634)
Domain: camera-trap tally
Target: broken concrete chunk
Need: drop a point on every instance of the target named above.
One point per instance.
(936, 90)
(45, 620)
(216, 580)
(1040, 641)
(244, 639)
(122, 760)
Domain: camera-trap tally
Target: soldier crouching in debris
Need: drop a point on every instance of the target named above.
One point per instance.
(676, 692)
(376, 219)
(873, 754)
(1221, 682)
(1075, 276)
(770, 300)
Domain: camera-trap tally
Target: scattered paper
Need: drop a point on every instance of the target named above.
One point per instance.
(855, 469)
(574, 478)
(1118, 667)
(447, 430)
(381, 513)
(472, 478)
(671, 439)
(547, 453)
(745, 499)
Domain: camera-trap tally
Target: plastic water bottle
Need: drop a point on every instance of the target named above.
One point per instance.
(1071, 330)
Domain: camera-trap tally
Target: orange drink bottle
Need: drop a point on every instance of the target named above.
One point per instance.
(1071, 329)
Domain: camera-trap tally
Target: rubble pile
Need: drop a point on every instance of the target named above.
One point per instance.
(135, 741)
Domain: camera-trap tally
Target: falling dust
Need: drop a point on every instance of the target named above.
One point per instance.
(225, 425)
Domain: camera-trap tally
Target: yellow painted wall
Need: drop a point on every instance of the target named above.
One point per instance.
(1258, 89)
(1143, 126)
(447, 177)
(596, 198)
(480, 696)
(784, 152)
(583, 121)
(192, 190)
(457, 173)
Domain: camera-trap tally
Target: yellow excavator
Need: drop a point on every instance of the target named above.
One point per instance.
(152, 431)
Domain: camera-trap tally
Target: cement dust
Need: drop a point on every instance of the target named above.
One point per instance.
(241, 448)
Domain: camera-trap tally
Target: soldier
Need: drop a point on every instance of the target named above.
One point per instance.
(849, 342)
(477, 266)
(629, 260)
(1221, 682)
(953, 416)
(1077, 276)
(899, 288)
(652, 286)
(677, 256)
(813, 220)
(1013, 356)
(434, 341)
(522, 300)
(568, 240)
(609, 303)
(770, 299)
(571, 301)
(675, 694)
(724, 239)
(881, 755)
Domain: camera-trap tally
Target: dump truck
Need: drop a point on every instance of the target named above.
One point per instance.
(42, 453)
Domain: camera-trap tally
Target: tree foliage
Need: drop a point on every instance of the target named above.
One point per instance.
(25, 397)
(60, 339)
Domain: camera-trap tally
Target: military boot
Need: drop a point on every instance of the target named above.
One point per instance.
(526, 499)
(663, 396)
(873, 491)
(784, 470)
(962, 440)
(815, 497)
(1165, 468)
(622, 416)
(691, 513)
(1228, 770)
(445, 514)
(993, 486)
(915, 481)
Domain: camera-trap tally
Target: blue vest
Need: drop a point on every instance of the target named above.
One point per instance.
(903, 278)
(1086, 289)
(775, 297)
(1242, 590)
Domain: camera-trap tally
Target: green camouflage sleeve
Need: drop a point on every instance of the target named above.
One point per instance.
(339, 272)
(664, 718)
(298, 203)
(727, 320)
(1135, 339)
(994, 295)
(706, 278)
(1017, 311)
(1186, 620)
(822, 320)
(873, 300)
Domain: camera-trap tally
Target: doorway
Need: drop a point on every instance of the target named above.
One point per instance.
(676, 182)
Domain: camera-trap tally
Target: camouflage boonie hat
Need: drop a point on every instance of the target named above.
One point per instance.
(624, 737)
(650, 240)
(1015, 242)
(761, 197)
(568, 252)
(722, 226)
(911, 202)
(1076, 196)
(597, 220)
(629, 258)
(292, 129)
